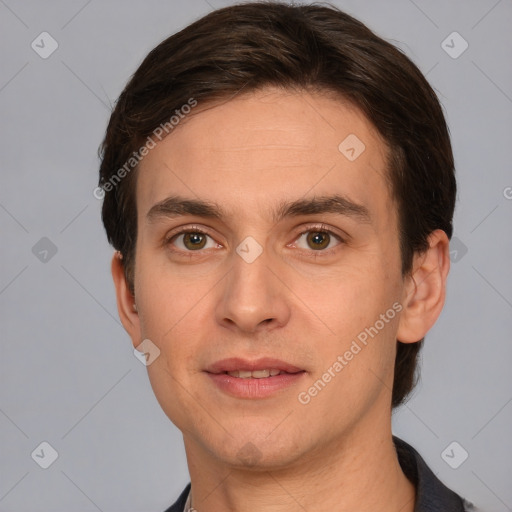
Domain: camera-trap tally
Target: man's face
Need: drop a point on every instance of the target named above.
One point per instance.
(264, 280)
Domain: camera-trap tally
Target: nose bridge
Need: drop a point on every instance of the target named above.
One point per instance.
(252, 296)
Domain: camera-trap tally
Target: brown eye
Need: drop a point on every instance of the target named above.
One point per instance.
(318, 240)
(191, 241)
(194, 241)
(322, 240)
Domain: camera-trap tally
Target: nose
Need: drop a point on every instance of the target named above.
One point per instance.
(252, 297)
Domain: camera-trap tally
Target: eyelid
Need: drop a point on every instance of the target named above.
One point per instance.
(185, 229)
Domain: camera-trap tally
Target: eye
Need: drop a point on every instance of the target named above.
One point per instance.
(318, 240)
(192, 240)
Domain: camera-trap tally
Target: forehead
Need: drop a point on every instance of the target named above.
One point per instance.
(266, 145)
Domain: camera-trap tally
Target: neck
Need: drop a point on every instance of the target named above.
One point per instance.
(359, 472)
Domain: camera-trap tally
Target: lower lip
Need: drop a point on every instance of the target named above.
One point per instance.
(254, 388)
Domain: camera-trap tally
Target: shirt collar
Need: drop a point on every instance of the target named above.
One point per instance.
(431, 494)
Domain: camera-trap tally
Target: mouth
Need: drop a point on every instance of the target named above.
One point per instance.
(262, 378)
(257, 374)
(258, 369)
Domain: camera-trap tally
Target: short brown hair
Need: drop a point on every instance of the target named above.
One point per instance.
(246, 47)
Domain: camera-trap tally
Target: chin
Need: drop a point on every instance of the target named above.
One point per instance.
(256, 453)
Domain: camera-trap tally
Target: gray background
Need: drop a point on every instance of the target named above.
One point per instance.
(68, 374)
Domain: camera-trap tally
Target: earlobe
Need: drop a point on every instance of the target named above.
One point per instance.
(425, 289)
(126, 306)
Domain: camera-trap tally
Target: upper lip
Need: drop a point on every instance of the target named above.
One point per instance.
(264, 363)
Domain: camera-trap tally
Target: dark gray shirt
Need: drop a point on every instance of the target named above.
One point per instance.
(431, 494)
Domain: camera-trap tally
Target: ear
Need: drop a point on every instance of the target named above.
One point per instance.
(425, 289)
(125, 300)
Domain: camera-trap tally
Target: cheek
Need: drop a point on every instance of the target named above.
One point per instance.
(351, 304)
(167, 296)
(352, 295)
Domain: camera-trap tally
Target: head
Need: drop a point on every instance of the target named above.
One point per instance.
(245, 114)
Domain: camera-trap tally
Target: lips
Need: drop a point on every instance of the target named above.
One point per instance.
(236, 364)
(259, 379)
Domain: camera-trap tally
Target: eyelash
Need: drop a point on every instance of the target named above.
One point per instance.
(309, 253)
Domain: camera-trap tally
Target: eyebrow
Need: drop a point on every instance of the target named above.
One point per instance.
(176, 206)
